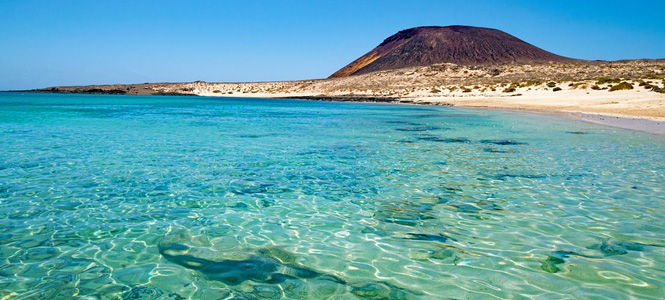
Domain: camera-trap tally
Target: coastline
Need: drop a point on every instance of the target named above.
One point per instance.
(634, 110)
(651, 123)
(645, 125)
(648, 124)
(626, 94)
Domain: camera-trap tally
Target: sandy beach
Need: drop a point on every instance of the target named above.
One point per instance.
(601, 92)
(634, 103)
(633, 109)
(637, 109)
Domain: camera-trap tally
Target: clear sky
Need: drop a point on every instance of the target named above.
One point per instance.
(76, 42)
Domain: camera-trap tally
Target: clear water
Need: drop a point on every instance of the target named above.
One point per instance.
(107, 197)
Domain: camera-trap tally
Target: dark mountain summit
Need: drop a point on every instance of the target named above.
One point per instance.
(464, 45)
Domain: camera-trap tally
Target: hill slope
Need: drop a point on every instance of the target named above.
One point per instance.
(463, 45)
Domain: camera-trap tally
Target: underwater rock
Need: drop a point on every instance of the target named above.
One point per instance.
(466, 208)
(429, 237)
(231, 272)
(476, 207)
(404, 123)
(443, 140)
(489, 206)
(267, 291)
(252, 136)
(294, 288)
(280, 254)
(609, 250)
(406, 213)
(257, 268)
(451, 189)
(557, 258)
(61, 292)
(493, 150)
(442, 200)
(605, 248)
(404, 141)
(526, 176)
(241, 298)
(245, 187)
(271, 272)
(266, 202)
(133, 275)
(39, 254)
(373, 230)
(240, 205)
(550, 264)
(439, 254)
(442, 254)
(381, 290)
(502, 142)
(631, 246)
(417, 128)
(143, 293)
(4, 237)
(148, 293)
(372, 291)
(30, 242)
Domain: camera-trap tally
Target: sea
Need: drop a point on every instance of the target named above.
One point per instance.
(178, 197)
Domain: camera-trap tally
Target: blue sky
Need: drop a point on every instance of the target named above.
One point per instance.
(76, 42)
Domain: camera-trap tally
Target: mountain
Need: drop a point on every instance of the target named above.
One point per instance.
(463, 45)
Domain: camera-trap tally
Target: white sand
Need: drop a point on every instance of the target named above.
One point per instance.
(631, 103)
(639, 108)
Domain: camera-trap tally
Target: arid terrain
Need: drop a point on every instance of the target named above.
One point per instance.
(456, 65)
(624, 88)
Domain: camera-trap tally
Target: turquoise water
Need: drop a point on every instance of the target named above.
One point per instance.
(147, 197)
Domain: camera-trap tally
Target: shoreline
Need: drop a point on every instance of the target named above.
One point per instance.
(646, 125)
(641, 123)
(627, 94)
(652, 125)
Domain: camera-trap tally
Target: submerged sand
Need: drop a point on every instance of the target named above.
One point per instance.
(633, 109)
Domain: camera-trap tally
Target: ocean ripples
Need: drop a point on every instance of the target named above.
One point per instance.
(119, 197)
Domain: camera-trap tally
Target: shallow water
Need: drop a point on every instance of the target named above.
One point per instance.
(147, 197)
